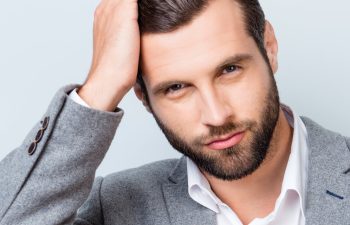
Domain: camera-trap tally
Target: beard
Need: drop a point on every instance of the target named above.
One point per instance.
(242, 159)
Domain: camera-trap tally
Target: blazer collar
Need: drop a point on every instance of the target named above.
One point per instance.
(328, 192)
(182, 209)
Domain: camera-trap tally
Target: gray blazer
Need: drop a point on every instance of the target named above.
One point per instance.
(50, 177)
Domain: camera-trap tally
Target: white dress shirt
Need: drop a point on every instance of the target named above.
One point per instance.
(75, 97)
(290, 205)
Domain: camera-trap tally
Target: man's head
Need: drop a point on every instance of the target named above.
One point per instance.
(207, 76)
(157, 16)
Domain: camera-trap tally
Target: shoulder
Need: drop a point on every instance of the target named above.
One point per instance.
(323, 136)
(156, 170)
(143, 177)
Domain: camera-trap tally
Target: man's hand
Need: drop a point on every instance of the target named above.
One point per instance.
(115, 54)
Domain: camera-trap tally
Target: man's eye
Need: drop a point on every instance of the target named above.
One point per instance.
(230, 69)
(174, 88)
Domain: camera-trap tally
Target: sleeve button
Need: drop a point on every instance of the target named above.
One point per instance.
(32, 148)
(45, 123)
(39, 135)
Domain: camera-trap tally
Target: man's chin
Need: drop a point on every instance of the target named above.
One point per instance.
(227, 169)
(230, 176)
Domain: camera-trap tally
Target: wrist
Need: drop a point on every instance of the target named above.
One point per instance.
(101, 97)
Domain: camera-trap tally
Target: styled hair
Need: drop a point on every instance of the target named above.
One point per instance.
(163, 16)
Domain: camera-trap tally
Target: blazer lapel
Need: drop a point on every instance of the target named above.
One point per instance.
(181, 208)
(328, 197)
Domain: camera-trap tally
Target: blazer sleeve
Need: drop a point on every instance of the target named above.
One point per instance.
(90, 213)
(49, 176)
(347, 139)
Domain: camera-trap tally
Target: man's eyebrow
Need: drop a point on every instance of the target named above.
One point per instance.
(232, 60)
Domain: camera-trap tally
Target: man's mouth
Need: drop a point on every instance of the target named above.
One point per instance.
(226, 141)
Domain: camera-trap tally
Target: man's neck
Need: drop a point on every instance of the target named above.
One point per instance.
(255, 195)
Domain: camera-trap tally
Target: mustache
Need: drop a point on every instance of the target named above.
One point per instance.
(229, 127)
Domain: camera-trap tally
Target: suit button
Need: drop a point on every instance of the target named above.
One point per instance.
(45, 123)
(32, 148)
(39, 135)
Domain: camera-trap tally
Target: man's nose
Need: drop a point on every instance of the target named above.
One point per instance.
(215, 110)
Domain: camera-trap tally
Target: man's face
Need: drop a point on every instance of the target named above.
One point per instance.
(211, 91)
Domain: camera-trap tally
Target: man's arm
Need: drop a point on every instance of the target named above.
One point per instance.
(50, 175)
(48, 186)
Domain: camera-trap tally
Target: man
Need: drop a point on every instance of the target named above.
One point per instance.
(206, 74)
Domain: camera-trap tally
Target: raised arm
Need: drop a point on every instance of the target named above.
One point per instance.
(47, 178)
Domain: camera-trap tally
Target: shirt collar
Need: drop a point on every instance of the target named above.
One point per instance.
(295, 175)
(199, 188)
(294, 178)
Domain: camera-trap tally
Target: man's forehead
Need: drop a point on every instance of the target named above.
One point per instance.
(219, 25)
(203, 56)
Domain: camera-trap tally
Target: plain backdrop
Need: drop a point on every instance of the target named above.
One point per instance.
(45, 45)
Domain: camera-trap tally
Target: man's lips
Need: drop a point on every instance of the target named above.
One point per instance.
(226, 142)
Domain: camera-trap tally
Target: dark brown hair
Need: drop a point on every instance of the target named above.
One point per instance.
(162, 16)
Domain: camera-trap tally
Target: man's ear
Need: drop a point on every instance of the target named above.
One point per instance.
(271, 46)
(141, 96)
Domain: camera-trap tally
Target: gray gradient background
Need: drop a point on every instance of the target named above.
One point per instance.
(47, 44)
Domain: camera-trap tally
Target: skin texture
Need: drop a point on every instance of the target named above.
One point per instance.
(190, 98)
